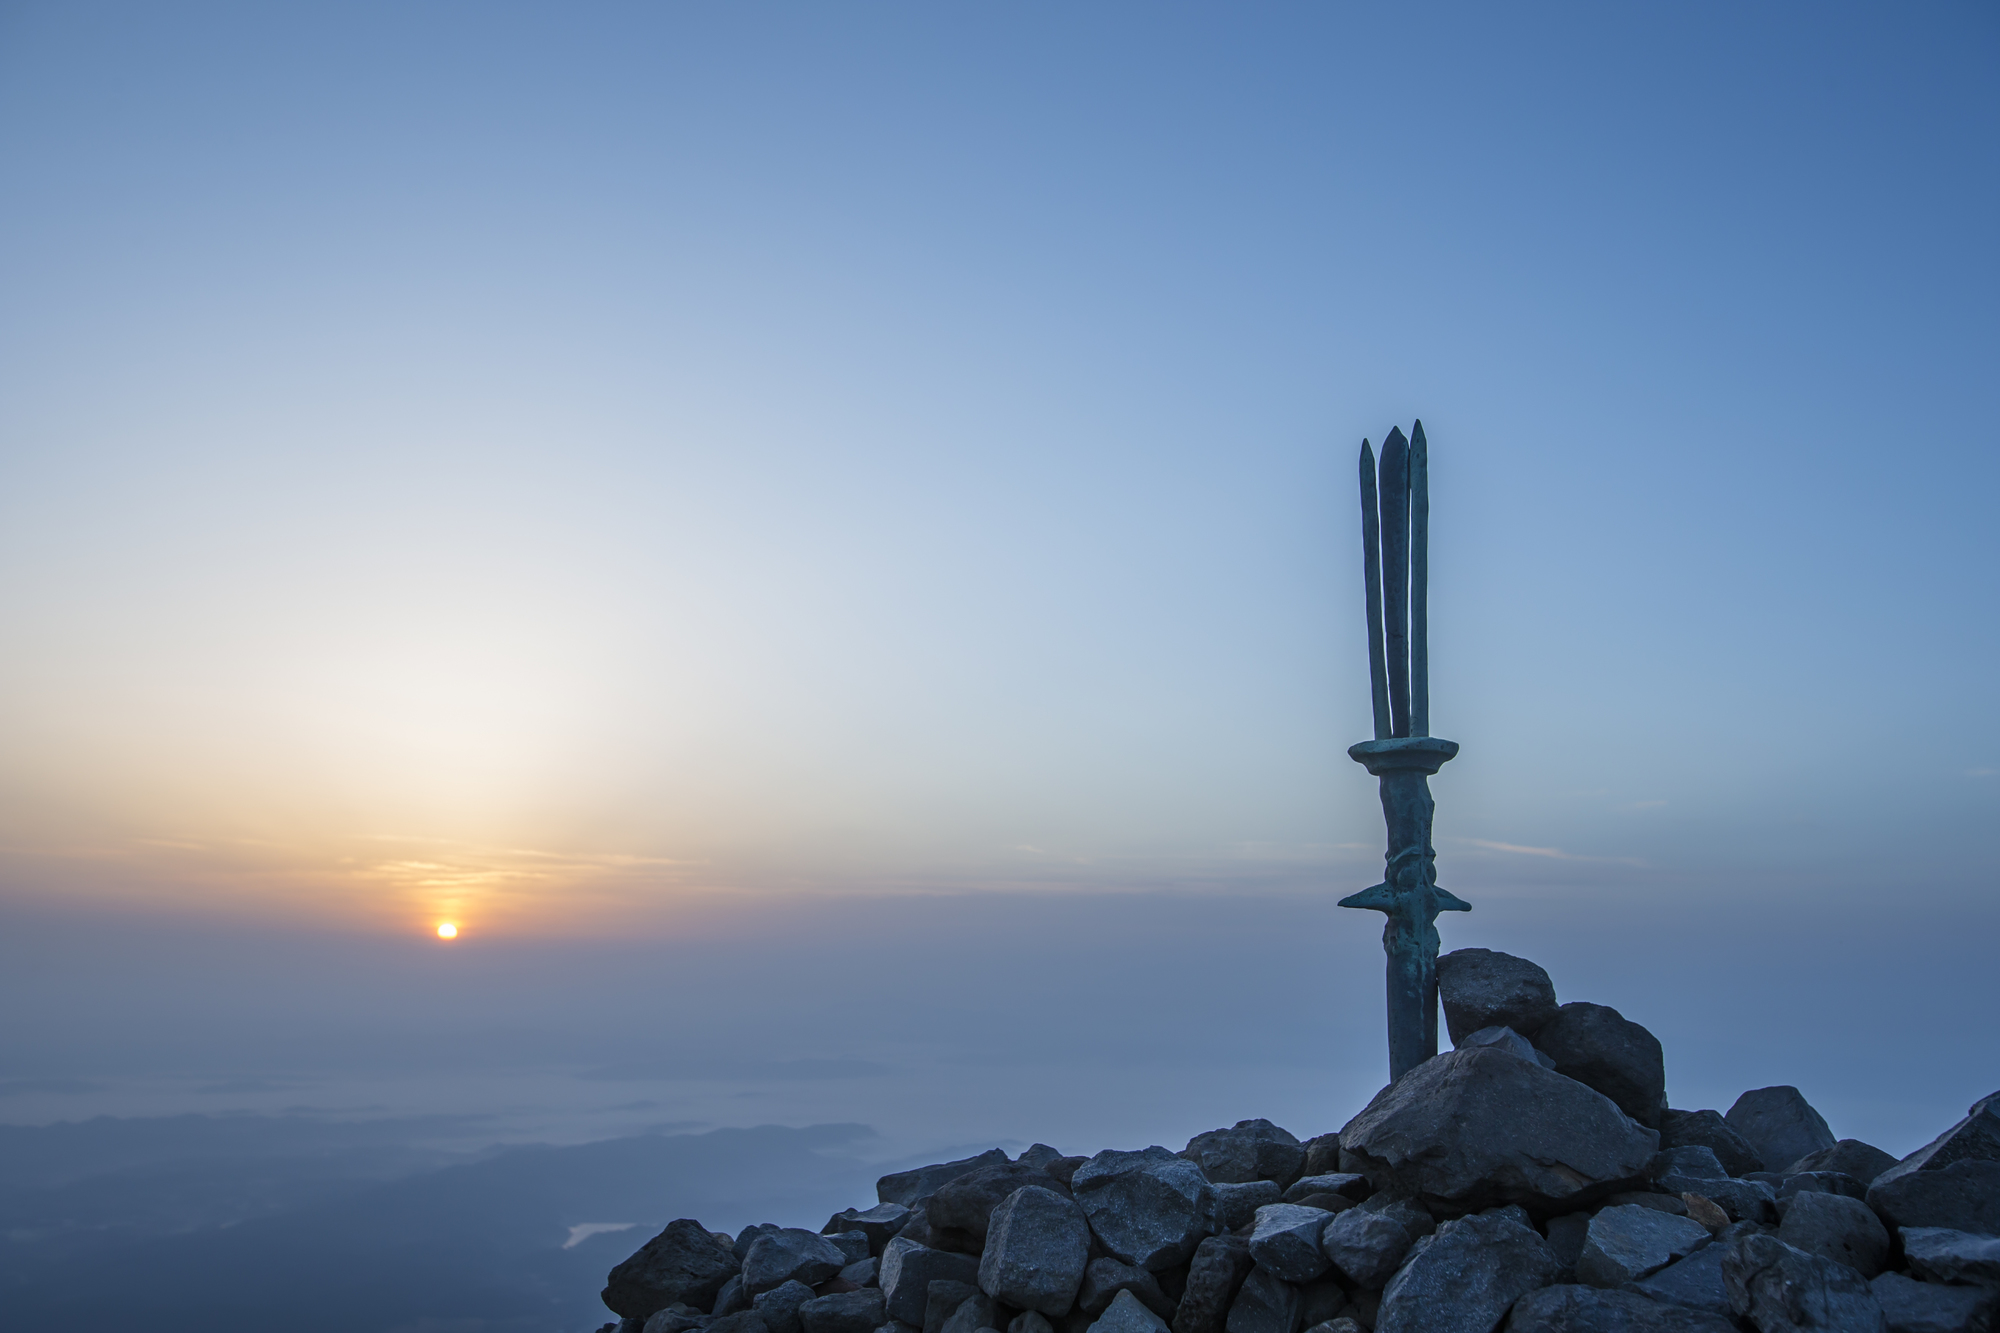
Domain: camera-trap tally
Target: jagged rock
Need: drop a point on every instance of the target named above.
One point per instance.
(1286, 1241)
(1964, 1196)
(1104, 1278)
(1927, 1307)
(731, 1299)
(1320, 1301)
(684, 1264)
(878, 1223)
(743, 1321)
(1039, 1156)
(1322, 1154)
(908, 1269)
(1659, 1203)
(779, 1307)
(1218, 1268)
(942, 1300)
(1126, 1315)
(1264, 1304)
(1588, 1310)
(1483, 989)
(1688, 1162)
(1467, 1274)
(852, 1244)
(1063, 1168)
(1236, 1203)
(1707, 1129)
(1625, 1243)
(975, 1312)
(906, 1187)
(1852, 1157)
(1149, 1208)
(917, 1228)
(1348, 1184)
(1695, 1282)
(1693, 1169)
(966, 1203)
(862, 1273)
(1602, 1049)
(1780, 1289)
(1367, 1246)
(1251, 1150)
(1973, 1139)
(844, 1312)
(1472, 1128)
(740, 1247)
(1780, 1125)
(1818, 1182)
(1939, 1254)
(778, 1257)
(1837, 1227)
(1036, 1250)
(1510, 1041)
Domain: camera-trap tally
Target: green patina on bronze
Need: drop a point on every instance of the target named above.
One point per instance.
(1395, 535)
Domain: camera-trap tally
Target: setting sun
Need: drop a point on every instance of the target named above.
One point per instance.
(447, 931)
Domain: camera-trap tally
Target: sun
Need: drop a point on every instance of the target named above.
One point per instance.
(447, 931)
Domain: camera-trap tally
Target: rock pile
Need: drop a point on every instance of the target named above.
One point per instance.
(1532, 1179)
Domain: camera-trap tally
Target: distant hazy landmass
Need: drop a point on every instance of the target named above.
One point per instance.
(246, 1223)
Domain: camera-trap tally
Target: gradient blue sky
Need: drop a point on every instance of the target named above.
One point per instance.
(690, 476)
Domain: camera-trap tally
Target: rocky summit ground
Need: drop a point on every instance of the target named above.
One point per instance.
(1532, 1179)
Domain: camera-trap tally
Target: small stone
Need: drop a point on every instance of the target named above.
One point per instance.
(1602, 1049)
(779, 1307)
(1853, 1157)
(1818, 1182)
(1626, 1243)
(743, 1321)
(1286, 1241)
(879, 1223)
(1251, 1150)
(906, 1187)
(1063, 1168)
(731, 1299)
(684, 1264)
(1927, 1307)
(1322, 1154)
(1481, 988)
(1149, 1208)
(1508, 1040)
(1783, 1290)
(1837, 1227)
(1780, 1125)
(1367, 1247)
(1467, 1275)
(1036, 1250)
(1264, 1303)
(1964, 1196)
(1215, 1273)
(1126, 1315)
(853, 1244)
(1695, 1282)
(862, 1273)
(675, 1319)
(1104, 1278)
(1237, 1202)
(1707, 1129)
(1348, 1184)
(1327, 1203)
(1587, 1310)
(1706, 1211)
(1938, 1254)
(907, 1271)
(787, 1254)
(1690, 1161)
(942, 1300)
(975, 1312)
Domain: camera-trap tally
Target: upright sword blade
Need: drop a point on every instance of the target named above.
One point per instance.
(1371, 565)
(1420, 552)
(1396, 576)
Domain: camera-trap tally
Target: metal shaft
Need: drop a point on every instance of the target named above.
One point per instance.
(1371, 561)
(1420, 552)
(1396, 576)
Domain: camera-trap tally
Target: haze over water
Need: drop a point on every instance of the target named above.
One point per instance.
(823, 539)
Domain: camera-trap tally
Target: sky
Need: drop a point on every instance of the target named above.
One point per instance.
(824, 539)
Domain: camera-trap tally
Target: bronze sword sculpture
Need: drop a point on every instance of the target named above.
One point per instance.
(1395, 537)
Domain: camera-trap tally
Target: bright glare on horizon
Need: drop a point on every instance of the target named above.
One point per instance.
(447, 931)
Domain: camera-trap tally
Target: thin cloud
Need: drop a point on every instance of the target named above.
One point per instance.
(1981, 772)
(1552, 853)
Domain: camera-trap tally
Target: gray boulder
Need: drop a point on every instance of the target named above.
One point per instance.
(790, 1254)
(1251, 1150)
(1973, 1139)
(1602, 1049)
(975, 1312)
(1688, 1162)
(966, 1203)
(1510, 1041)
(1215, 1273)
(779, 1307)
(1625, 1243)
(731, 1299)
(1040, 1155)
(1707, 1129)
(1236, 1203)
(861, 1273)
(1322, 1154)
(907, 1271)
(1347, 1184)
(1818, 1182)
(1126, 1315)
(1780, 1125)
(943, 1299)
(1149, 1208)
(1264, 1303)
(1035, 1251)
(1849, 1156)
(675, 1319)
(878, 1223)
(906, 1187)
(748, 1237)
(1572, 1309)
(1926, 1307)
(1104, 1278)
(683, 1265)
(852, 1244)
(1286, 1241)
(843, 1312)
(1465, 1277)
(742, 1321)
(1740, 1200)
(1030, 1321)
(1779, 1290)
(1964, 1196)
(1695, 1282)
(1477, 1127)
(1483, 989)
(1368, 1244)
(1939, 1254)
